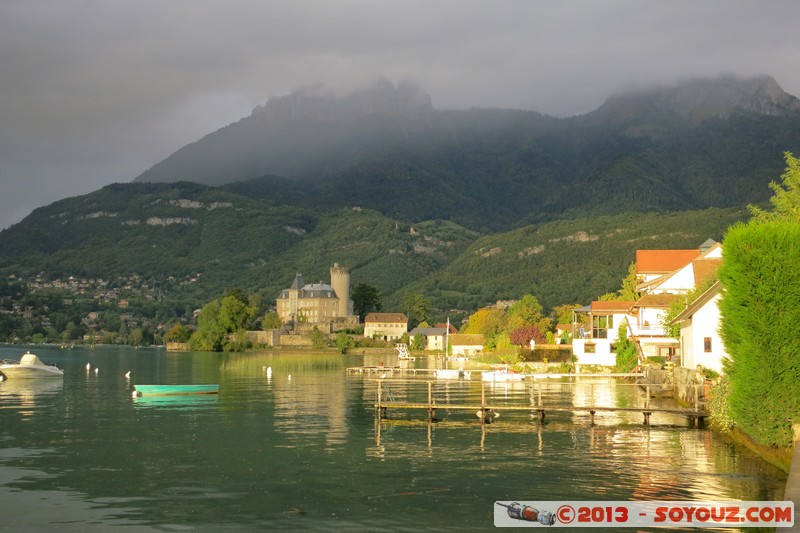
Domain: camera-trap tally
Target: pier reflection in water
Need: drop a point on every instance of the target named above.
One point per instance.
(308, 452)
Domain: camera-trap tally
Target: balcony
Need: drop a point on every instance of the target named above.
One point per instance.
(647, 331)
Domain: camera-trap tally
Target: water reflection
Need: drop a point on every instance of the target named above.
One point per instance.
(309, 453)
(22, 395)
(183, 401)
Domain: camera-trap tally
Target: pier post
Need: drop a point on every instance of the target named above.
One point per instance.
(592, 413)
(380, 410)
(646, 417)
(647, 397)
(540, 409)
(431, 408)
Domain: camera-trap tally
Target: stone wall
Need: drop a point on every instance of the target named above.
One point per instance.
(295, 340)
(684, 384)
(689, 385)
(270, 337)
(662, 382)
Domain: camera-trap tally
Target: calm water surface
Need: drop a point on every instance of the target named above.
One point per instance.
(307, 453)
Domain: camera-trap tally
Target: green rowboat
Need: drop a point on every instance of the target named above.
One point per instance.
(174, 390)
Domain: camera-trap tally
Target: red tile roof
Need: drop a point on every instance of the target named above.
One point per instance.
(658, 300)
(443, 325)
(663, 261)
(611, 306)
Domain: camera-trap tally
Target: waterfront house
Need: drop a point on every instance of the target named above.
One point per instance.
(700, 342)
(466, 344)
(434, 337)
(685, 278)
(653, 264)
(659, 294)
(645, 326)
(593, 346)
(385, 326)
(663, 277)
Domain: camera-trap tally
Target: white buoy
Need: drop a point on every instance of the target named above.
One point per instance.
(269, 371)
(2, 377)
(383, 376)
(88, 367)
(128, 374)
(96, 370)
(290, 377)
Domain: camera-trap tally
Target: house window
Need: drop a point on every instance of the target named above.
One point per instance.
(600, 326)
(707, 344)
(589, 347)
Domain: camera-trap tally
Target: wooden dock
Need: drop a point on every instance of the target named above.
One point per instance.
(390, 371)
(487, 412)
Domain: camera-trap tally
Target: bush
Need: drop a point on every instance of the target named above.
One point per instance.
(759, 311)
(551, 355)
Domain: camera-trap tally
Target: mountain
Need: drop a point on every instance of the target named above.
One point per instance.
(465, 207)
(194, 241)
(714, 142)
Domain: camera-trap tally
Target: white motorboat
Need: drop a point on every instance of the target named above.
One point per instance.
(29, 366)
(502, 375)
(450, 373)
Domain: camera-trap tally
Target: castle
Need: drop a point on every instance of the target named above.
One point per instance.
(326, 307)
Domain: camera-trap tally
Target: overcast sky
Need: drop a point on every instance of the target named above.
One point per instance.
(94, 92)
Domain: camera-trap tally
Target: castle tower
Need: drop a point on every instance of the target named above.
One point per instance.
(340, 281)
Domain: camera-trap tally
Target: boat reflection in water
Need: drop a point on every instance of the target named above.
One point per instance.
(179, 401)
(24, 394)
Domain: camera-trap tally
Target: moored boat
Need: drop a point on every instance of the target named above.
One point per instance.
(29, 366)
(450, 373)
(174, 390)
(502, 375)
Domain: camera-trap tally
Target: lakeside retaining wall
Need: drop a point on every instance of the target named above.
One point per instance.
(686, 384)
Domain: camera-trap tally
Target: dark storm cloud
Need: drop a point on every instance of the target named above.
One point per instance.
(93, 92)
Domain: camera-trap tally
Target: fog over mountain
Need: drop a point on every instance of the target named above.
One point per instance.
(708, 142)
(94, 93)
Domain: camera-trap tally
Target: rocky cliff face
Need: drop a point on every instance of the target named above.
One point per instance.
(321, 103)
(710, 97)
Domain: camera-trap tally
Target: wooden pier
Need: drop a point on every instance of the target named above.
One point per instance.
(487, 412)
(390, 371)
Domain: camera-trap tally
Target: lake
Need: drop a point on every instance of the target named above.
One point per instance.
(303, 450)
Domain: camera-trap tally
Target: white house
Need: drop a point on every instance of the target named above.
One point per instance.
(663, 277)
(644, 324)
(385, 326)
(593, 347)
(701, 344)
(466, 344)
(687, 277)
(434, 337)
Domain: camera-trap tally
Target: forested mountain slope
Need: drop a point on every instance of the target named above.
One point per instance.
(171, 233)
(705, 143)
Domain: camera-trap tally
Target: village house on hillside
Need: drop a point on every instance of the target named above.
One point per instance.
(318, 305)
(385, 326)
